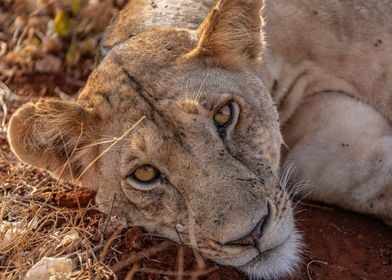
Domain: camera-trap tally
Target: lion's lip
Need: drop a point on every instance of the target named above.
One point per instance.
(232, 255)
(247, 253)
(226, 251)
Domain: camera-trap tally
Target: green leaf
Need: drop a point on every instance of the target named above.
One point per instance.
(62, 23)
(76, 6)
(73, 54)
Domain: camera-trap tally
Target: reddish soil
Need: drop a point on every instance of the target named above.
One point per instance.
(43, 85)
(74, 199)
(339, 244)
(344, 245)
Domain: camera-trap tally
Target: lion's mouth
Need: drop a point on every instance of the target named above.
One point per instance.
(248, 250)
(241, 254)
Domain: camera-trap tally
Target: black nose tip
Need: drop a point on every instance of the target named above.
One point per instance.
(252, 237)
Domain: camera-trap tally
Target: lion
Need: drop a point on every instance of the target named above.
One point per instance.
(180, 127)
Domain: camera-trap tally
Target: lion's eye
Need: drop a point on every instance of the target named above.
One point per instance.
(145, 174)
(224, 116)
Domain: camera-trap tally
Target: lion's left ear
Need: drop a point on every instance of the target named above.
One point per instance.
(54, 135)
(231, 34)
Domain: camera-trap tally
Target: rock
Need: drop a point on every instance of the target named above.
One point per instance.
(48, 64)
(50, 268)
(70, 240)
(9, 232)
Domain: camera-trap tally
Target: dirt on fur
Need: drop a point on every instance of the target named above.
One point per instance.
(338, 244)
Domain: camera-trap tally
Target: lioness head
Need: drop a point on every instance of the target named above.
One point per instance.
(176, 130)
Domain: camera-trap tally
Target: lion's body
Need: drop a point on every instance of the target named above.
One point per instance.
(317, 46)
(322, 57)
(325, 65)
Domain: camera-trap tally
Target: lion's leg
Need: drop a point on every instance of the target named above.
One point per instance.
(343, 148)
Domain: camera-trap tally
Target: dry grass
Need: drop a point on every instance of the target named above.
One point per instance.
(41, 228)
(31, 219)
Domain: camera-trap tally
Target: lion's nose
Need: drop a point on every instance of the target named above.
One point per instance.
(252, 237)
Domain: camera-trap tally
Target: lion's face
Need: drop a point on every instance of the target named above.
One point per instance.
(178, 139)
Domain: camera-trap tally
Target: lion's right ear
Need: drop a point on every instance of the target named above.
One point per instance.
(231, 35)
(53, 134)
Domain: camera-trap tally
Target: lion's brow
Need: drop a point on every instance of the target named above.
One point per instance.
(142, 91)
(136, 85)
(151, 101)
(146, 95)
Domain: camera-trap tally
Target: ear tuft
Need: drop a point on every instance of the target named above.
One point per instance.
(231, 35)
(51, 134)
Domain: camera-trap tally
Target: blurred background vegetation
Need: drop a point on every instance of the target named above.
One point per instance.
(52, 36)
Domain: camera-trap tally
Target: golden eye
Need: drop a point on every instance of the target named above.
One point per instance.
(145, 173)
(224, 115)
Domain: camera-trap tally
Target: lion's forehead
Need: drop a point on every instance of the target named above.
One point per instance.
(123, 84)
(150, 67)
(118, 90)
(158, 47)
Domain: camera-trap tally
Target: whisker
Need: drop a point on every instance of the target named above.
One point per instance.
(199, 92)
(302, 199)
(286, 174)
(297, 188)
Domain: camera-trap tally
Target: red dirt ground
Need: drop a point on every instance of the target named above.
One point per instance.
(340, 245)
(344, 245)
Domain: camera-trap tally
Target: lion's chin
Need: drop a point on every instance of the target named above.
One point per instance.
(276, 263)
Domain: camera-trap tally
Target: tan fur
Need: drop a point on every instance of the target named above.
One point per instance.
(325, 65)
(230, 35)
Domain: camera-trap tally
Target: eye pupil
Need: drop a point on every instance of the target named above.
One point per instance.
(145, 173)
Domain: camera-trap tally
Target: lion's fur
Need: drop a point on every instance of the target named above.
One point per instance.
(169, 65)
